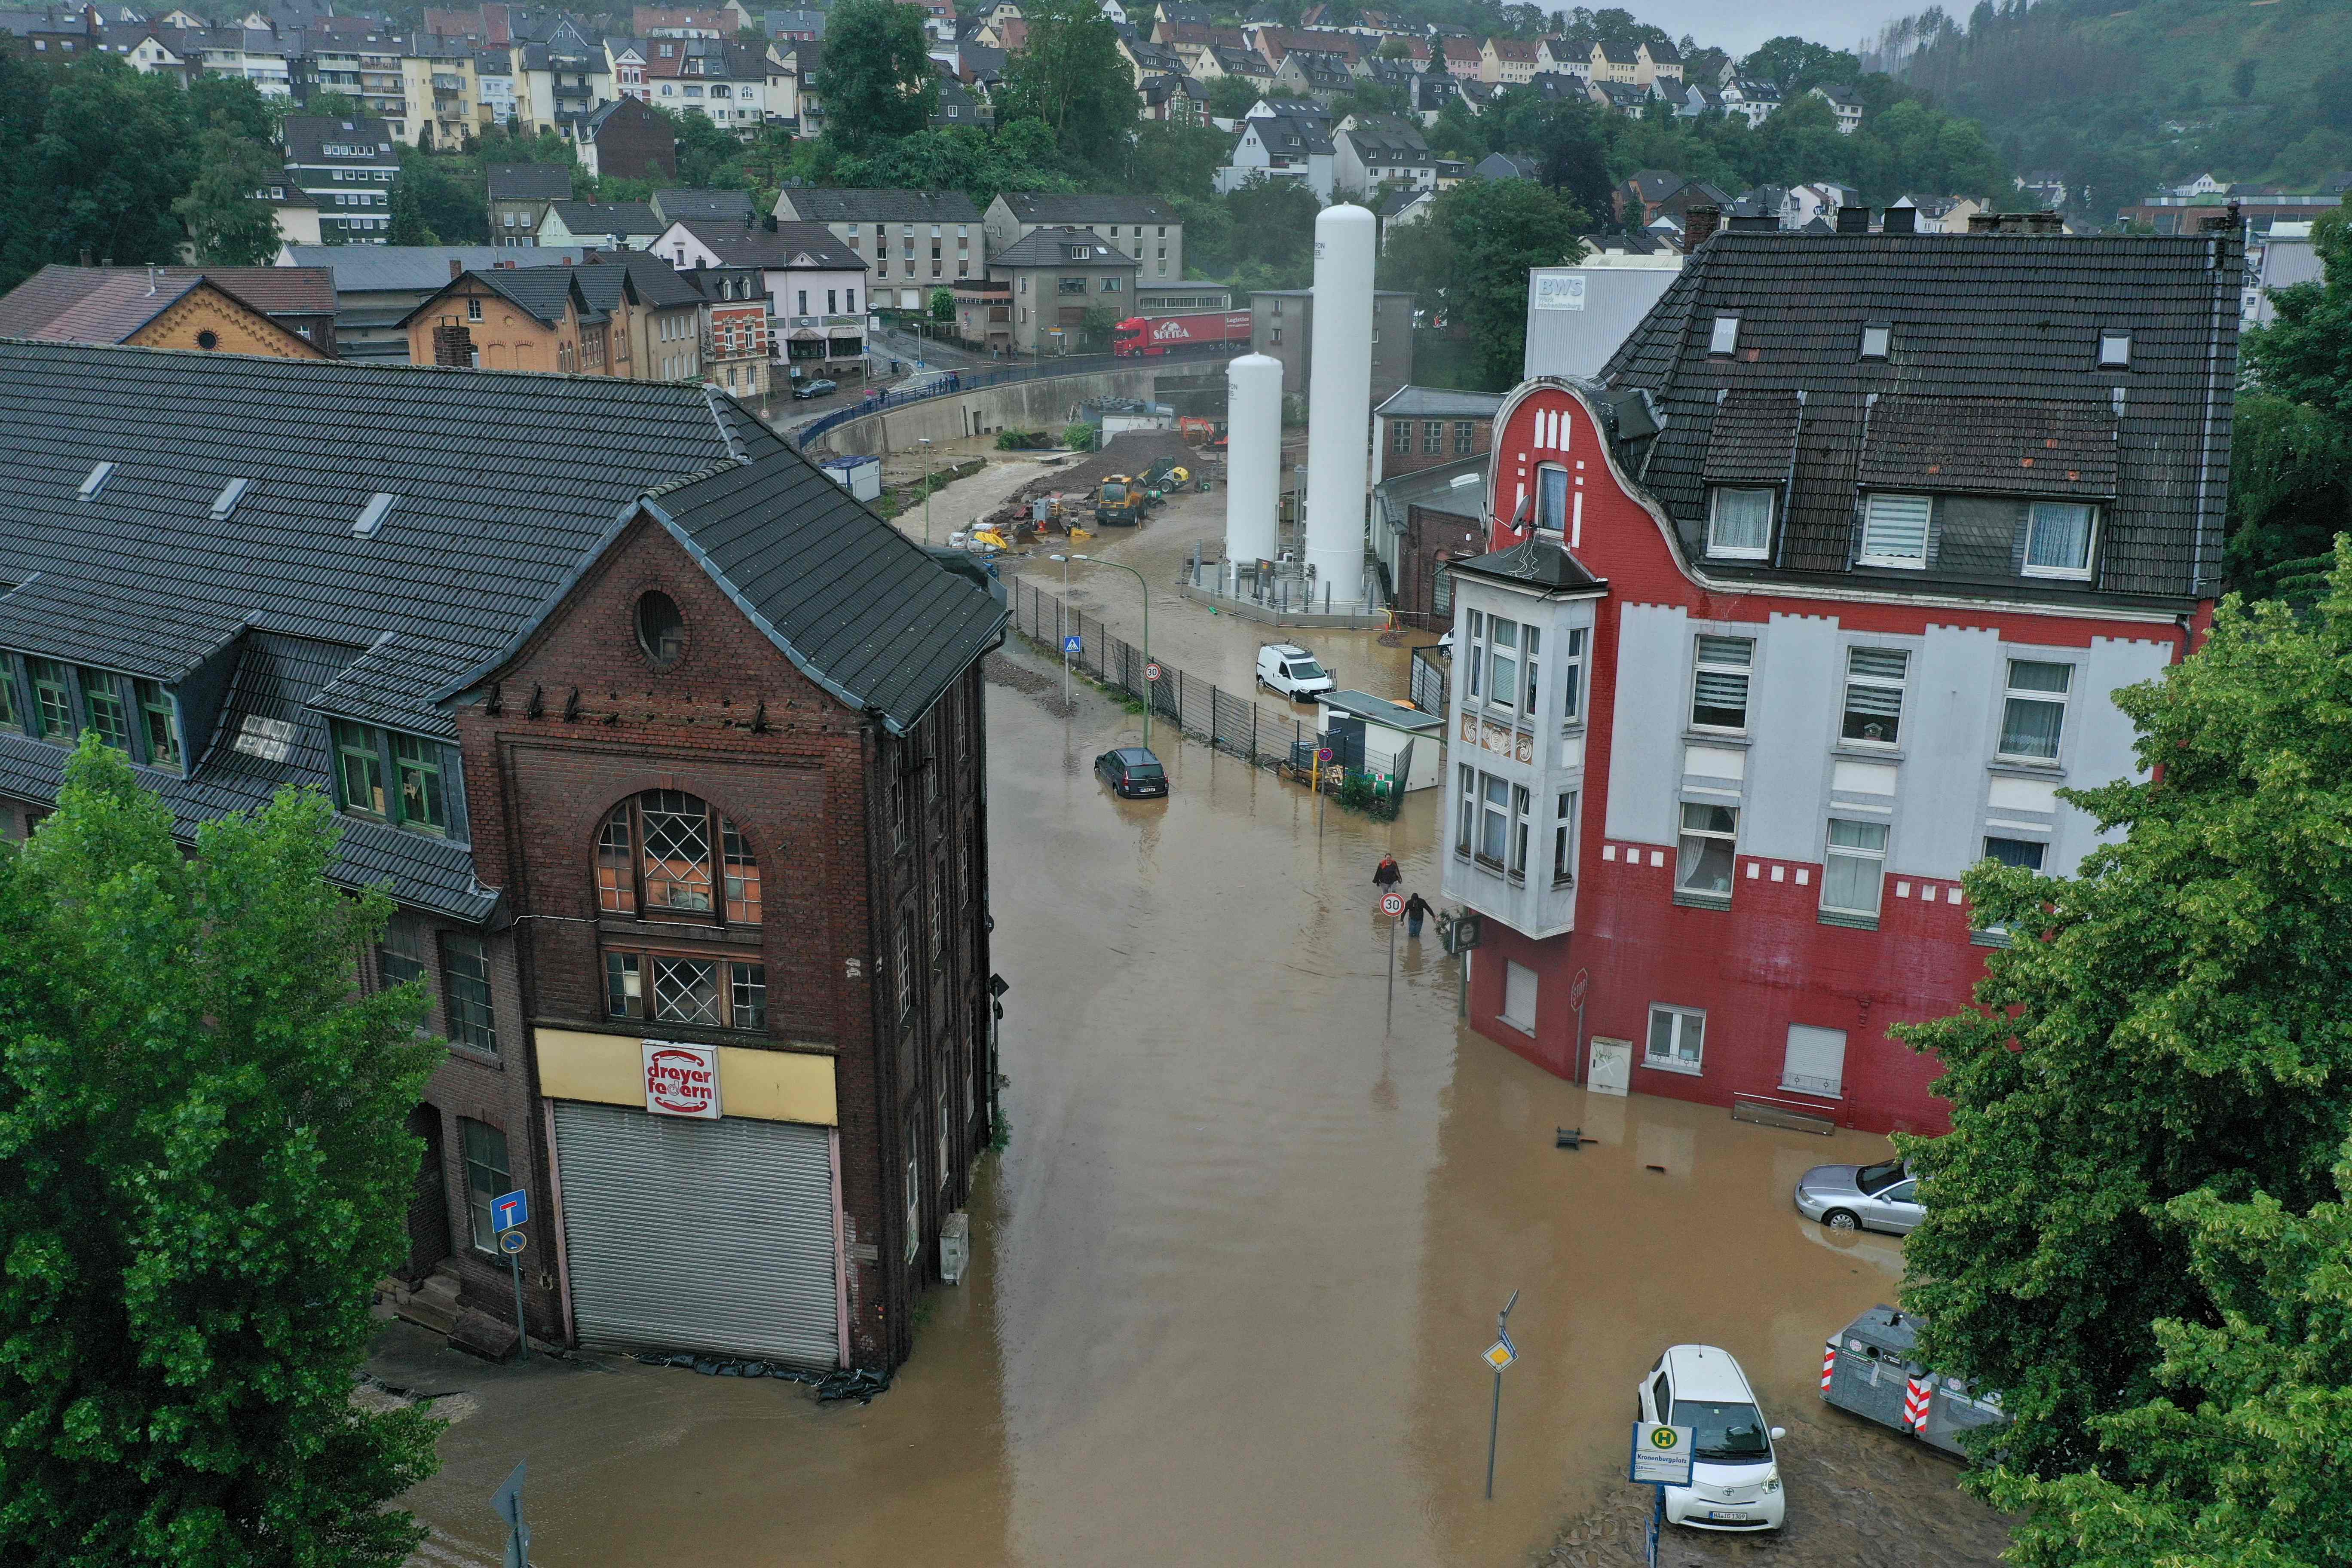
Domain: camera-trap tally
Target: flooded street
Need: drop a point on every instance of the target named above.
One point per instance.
(1234, 1271)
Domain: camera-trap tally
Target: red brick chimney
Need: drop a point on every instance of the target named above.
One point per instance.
(1699, 224)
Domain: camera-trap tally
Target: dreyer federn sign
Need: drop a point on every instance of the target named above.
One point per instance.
(682, 1081)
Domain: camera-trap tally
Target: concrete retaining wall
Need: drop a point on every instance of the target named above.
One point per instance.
(1046, 404)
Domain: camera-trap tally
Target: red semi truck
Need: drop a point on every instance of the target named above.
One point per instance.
(1141, 335)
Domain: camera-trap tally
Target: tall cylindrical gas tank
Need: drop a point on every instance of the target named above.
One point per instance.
(1253, 456)
(1339, 400)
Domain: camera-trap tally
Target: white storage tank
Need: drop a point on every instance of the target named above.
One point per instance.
(1340, 407)
(1252, 457)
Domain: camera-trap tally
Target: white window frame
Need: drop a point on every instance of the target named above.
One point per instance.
(1875, 339)
(1522, 830)
(1572, 678)
(2090, 542)
(1723, 338)
(1533, 984)
(2012, 692)
(1683, 1021)
(1546, 523)
(1868, 557)
(1746, 671)
(1832, 851)
(1465, 811)
(1563, 839)
(2114, 348)
(1805, 1083)
(1723, 551)
(1494, 813)
(1873, 680)
(1685, 861)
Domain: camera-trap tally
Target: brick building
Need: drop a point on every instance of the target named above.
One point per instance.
(287, 311)
(691, 860)
(1815, 601)
(1282, 325)
(626, 139)
(1417, 428)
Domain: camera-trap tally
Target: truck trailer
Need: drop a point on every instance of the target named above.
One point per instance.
(1140, 336)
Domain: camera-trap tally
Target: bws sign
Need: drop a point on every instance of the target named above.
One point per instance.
(682, 1081)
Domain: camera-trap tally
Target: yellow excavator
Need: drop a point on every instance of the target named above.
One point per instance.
(1119, 501)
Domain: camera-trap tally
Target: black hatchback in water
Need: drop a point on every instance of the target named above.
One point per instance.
(1132, 771)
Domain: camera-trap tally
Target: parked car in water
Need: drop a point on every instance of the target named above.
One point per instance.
(1884, 1196)
(1134, 772)
(1290, 669)
(1735, 1472)
(820, 387)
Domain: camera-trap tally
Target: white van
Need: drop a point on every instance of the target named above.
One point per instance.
(1290, 669)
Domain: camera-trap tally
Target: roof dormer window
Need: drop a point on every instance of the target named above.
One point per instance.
(2114, 348)
(1725, 339)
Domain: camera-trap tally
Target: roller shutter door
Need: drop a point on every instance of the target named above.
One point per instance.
(686, 1235)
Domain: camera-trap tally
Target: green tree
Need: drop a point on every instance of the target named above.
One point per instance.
(342, 105)
(449, 195)
(943, 306)
(2305, 355)
(708, 155)
(1271, 243)
(1500, 229)
(114, 152)
(203, 1170)
(1071, 76)
(2237, 1463)
(1232, 97)
(2242, 77)
(2290, 494)
(1017, 156)
(228, 225)
(2170, 1017)
(408, 224)
(877, 79)
(1798, 65)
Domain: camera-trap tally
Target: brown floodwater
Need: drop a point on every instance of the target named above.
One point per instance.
(1235, 1270)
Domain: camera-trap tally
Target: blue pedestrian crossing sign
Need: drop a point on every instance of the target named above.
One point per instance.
(1073, 645)
(507, 1212)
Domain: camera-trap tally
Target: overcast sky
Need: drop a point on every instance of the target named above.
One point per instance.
(1741, 25)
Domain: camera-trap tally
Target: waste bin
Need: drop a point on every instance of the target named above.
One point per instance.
(1871, 1368)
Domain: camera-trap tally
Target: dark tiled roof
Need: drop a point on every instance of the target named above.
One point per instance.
(1999, 446)
(408, 269)
(88, 305)
(1973, 317)
(882, 206)
(529, 181)
(510, 485)
(608, 217)
(1752, 438)
(1536, 561)
(544, 291)
(307, 137)
(1048, 247)
(787, 245)
(1619, 54)
(1035, 206)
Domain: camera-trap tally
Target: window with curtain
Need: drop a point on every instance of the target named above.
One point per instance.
(2058, 540)
(1551, 500)
(2034, 715)
(1739, 523)
(1705, 855)
(1853, 864)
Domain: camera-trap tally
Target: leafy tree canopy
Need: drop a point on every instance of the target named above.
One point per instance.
(2170, 1018)
(1072, 77)
(203, 1172)
(227, 224)
(877, 79)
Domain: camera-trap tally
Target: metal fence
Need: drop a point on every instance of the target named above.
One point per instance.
(1230, 722)
(955, 382)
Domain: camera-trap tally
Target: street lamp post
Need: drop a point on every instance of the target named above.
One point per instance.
(1146, 588)
(926, 441)
(1064, 631)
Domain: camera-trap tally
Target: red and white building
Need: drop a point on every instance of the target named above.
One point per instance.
(1813, 600)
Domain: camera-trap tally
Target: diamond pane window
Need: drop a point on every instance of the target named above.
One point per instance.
(686, 991)
(677, 851)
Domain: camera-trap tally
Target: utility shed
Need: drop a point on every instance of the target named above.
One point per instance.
(1386, 729)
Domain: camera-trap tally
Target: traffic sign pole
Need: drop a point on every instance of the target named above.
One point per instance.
(1501, 1354)
(522, 1328)
(1392, 907)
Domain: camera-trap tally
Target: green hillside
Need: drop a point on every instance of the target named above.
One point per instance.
(2121, 94)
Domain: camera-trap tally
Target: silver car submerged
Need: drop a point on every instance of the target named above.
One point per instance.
(1884, 1196)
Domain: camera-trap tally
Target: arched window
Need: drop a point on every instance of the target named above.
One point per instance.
(666, 852)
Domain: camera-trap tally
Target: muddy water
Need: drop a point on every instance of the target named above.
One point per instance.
(1235, 1270)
